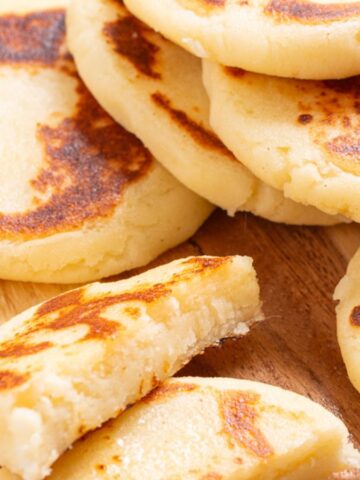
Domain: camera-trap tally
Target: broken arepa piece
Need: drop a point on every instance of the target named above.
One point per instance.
(73, 362)
(154, 88)
(348, 319)
(213, 428)
(81, 198)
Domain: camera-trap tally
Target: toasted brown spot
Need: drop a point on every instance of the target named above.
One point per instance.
(88, 159)
(200, 264)
(100, 467)
(73, 308)
(203, 7)
(133, 312)
(239, 417)
(212, 476)
(10, 380)
(200, 134)
(116, 459)
(164, 391)
(305, 118)
(129, 38)
(13, 349)
(234, 72)
(355, 317)
(306, 11)
(335, 119)
(34, 39)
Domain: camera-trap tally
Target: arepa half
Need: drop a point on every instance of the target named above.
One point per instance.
(212, 429)
(77, 360)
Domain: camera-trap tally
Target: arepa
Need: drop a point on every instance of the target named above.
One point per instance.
(309, 39)
(299, 136)
(73, 362)
(348, 319)
(213, 428)
(154, 89)
(81, 198)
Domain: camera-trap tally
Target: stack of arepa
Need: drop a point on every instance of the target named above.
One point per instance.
(277, 75)
(109, 163)
(123, 125)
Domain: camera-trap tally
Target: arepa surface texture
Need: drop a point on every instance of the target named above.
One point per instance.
(287, 38)
(298, 136)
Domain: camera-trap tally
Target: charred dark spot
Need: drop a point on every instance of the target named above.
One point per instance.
(34, 39)
(349, 85)
(239, 418)
(10, 380)
(129, 38)
(206, 263)
(164, 391)
(73, 309)
(355, 317)
(305, 118)
(306, 11)
(200, 134)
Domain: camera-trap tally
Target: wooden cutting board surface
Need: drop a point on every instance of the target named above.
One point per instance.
(296, 346)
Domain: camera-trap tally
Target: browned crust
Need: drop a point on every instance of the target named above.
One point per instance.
(74, 308)
(89, 160)
(204, 137)
(166, 390)
(238, 410)
(234, 72)
(128, 36)
(305, 118)
(9, 380)
(306, 11)
(355, 317)
(203, 7)
(330, 112)
(212, 476)
(22, 38)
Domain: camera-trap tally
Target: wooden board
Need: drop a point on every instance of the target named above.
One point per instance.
(296, 347)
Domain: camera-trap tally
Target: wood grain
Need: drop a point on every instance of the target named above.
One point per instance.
(296, 347)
